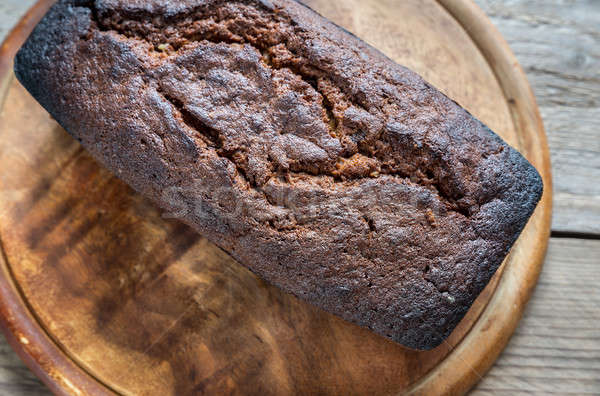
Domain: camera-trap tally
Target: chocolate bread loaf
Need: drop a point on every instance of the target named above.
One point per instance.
(310, 157)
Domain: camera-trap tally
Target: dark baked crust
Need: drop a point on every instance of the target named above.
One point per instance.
(310, 157)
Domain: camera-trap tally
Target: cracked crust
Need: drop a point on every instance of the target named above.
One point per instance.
(310, 157)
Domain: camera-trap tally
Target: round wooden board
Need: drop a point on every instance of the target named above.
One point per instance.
(99, 294)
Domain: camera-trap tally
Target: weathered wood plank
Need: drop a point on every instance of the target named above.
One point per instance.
(558, 45)
(556, 348)
(10, 12)
(15, 377)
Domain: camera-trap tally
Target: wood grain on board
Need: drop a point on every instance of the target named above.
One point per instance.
(104, 275)
(555, 349)
(543, 351)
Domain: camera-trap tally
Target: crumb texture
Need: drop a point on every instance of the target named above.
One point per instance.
(309, 156)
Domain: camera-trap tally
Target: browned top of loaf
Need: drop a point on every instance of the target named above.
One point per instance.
(309, 156)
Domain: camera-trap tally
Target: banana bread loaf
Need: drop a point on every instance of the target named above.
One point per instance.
(310, 157)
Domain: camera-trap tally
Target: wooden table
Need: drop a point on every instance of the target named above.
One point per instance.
(556, 348)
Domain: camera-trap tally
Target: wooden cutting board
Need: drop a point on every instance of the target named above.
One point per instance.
(99, 294)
